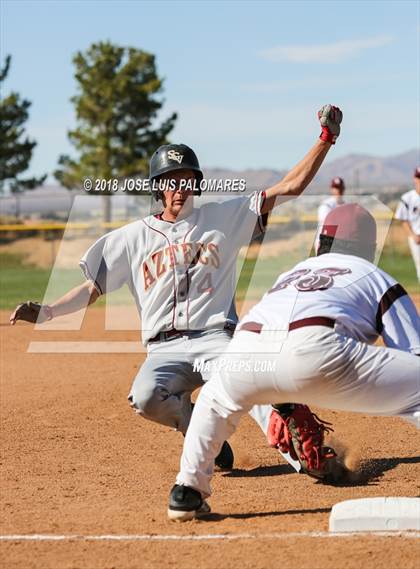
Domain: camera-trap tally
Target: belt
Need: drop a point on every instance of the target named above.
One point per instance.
(173, 333)
(312, 321)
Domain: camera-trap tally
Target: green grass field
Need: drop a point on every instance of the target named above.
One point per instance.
(20, 282)
(265, 271)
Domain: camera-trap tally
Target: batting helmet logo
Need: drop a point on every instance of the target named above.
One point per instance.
(171, 158)
(174, 155)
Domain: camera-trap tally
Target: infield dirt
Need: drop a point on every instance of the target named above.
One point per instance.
(76, 460)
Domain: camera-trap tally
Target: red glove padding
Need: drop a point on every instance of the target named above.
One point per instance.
(301, 435)
(279, 436)
(330, 118)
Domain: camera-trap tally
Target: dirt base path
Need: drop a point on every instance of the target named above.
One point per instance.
(76, 461)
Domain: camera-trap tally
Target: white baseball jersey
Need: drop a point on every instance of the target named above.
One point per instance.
(326, 206)
(363, 300)
(409, 210)
(183, 274)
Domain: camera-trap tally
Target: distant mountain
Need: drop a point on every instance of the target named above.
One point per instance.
(358, 171)
(361, 170)
(389, 175)
(255, 179)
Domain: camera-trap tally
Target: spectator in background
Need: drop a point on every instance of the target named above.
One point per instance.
(408, 211)
(337, 189)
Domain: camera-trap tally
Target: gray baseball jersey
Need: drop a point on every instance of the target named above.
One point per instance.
(182, 274)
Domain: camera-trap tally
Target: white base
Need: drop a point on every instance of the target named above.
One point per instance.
(376, 514)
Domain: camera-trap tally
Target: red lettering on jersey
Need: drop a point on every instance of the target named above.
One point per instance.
(205, 285)
(170, 252)
(332, 271)
(202, 247)
(320, 279)
(157, 258)
(214, 257)
(148, 277)
(197, 248)
(288, 280)
(187, 251)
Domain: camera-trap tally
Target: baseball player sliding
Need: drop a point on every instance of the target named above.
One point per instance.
(316, 326)
(180, 268)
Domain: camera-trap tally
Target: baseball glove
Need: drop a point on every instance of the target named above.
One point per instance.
(31, 312)
(330, 118)
(293, 428)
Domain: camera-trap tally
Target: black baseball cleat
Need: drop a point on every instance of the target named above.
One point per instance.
(185, 504)
(224, 460)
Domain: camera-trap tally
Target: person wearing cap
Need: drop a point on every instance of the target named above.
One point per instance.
(408, 212)
(316, 328)
(180, 267)
(337, 189)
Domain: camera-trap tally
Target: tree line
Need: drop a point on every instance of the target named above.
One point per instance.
(118, 99)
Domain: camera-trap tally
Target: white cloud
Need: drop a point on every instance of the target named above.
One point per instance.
(336, 82)
(323, 53)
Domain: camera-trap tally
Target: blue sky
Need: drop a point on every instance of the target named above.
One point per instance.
(245, 77)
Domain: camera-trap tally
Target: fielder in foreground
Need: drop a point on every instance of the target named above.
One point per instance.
(180, 267)
(316, 327)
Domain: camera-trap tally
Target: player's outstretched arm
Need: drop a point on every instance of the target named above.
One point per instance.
(294, 183)
(76, 299)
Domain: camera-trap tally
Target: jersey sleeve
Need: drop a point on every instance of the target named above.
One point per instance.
(402, 211)
(397, 320)
(106, 262)
(243, 218)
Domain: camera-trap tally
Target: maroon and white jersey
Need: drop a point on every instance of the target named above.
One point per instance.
(409, 210)
(183, 274)
(364, 301)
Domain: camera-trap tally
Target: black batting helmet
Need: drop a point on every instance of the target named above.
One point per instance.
(172, 157)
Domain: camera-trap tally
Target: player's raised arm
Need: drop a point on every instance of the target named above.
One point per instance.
(76, 299)
(302, 174)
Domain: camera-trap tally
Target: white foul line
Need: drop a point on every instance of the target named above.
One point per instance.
(205, 537)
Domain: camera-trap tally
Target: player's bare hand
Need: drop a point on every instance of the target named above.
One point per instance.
(330, 118)
(31, 312)
(417, 239)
